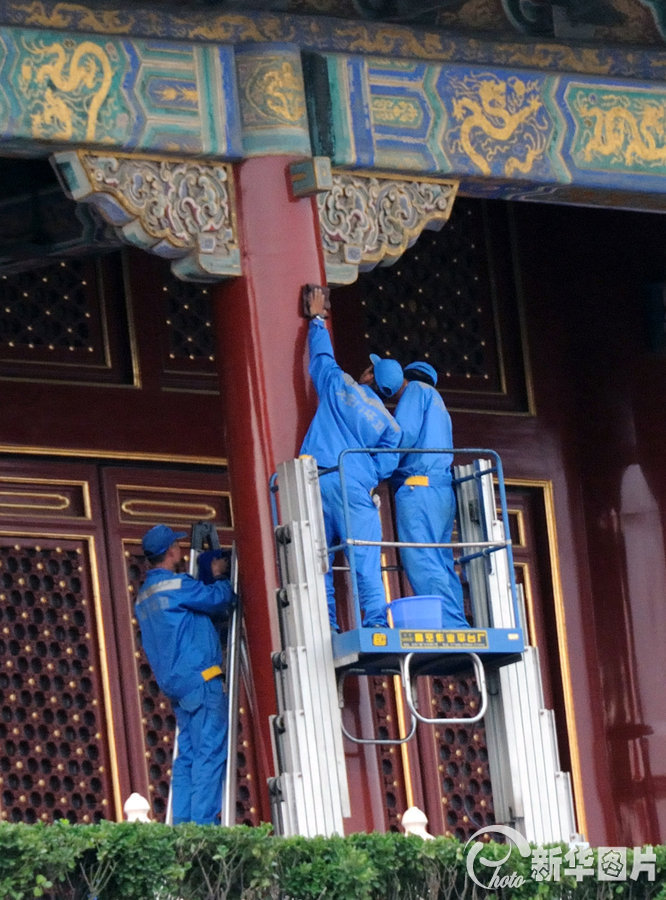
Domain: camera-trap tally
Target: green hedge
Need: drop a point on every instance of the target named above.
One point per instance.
(157, 862)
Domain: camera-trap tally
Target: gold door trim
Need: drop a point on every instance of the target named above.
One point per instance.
(546, 487)
(126, 456)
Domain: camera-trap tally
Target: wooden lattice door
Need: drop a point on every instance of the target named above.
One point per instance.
(59, 734)
(82, 722)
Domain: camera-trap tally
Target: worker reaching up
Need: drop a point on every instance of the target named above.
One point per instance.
(425, 502)
(350, 415)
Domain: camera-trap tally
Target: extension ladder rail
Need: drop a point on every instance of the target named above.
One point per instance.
(530, 792)
(310, 793)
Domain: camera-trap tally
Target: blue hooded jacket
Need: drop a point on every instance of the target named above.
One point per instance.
(349, 415)
(425, 423)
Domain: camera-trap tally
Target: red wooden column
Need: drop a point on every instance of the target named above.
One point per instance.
(267, 397)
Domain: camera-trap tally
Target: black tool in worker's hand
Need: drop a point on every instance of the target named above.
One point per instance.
(312, 305)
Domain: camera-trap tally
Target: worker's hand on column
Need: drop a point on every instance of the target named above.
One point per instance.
(376, 499)
(315, 301)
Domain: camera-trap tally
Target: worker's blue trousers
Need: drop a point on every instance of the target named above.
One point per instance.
(364, 525)
(425, 514)
(199, 767)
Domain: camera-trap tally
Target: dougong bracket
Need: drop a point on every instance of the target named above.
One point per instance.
(371, 220)
(180, 209)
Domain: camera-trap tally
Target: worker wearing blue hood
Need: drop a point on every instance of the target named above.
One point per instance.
(425, 502)
(351, 414)
(177, 616)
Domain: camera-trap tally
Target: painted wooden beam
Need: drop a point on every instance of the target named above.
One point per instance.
(497, 130)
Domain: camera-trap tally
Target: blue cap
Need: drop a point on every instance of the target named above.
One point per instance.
(424, 368)
(388, 375)
(159, 539)
(204, 561)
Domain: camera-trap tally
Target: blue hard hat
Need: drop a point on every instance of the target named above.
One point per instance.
(424, 368)
(159, 539)
(388, 375)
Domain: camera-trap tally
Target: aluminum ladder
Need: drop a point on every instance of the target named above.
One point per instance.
(310, 793)
(530, 792)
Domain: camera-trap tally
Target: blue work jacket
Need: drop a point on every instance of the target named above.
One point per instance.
(176, 616)
(349, 415)
(425, 423)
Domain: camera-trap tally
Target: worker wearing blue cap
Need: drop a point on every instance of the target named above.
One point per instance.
(424, 498)
(177, 615)
(351, 414)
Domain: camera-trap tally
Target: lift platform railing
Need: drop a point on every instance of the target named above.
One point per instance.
(475, 549)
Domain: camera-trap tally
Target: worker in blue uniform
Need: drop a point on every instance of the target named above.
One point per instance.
(351, 414)
(425, 502)
(177, 617)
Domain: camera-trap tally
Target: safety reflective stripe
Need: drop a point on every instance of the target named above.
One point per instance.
(211, 672)
(417, 479)
(168, 584)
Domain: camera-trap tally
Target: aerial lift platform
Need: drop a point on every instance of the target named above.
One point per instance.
(310, 793)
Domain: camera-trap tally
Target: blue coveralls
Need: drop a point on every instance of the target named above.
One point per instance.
(350, 415)
(175, 614)
(425, 513)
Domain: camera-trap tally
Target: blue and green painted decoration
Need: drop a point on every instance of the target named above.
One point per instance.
(507, 125)
(502, 129)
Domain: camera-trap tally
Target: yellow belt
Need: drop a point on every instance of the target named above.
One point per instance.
(211, 672)
(417, 479)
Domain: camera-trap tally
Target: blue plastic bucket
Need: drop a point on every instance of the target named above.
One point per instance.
(416, 612)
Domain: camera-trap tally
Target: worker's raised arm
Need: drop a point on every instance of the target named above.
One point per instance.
(213, 599)
(322, 359)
